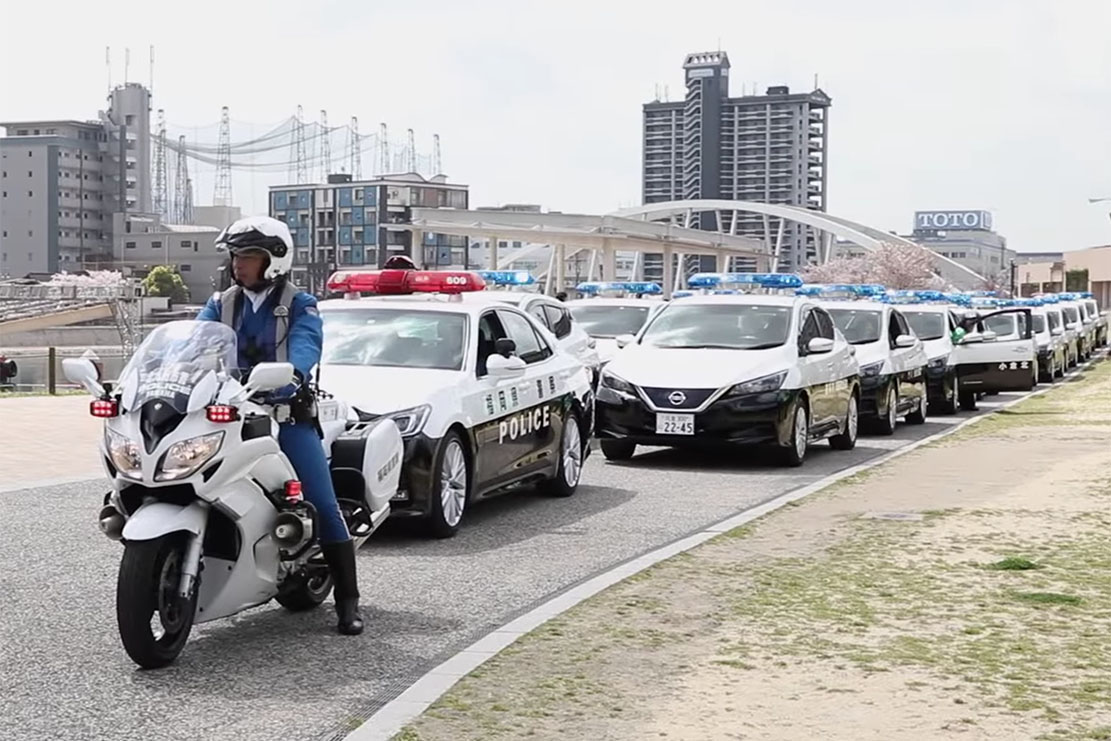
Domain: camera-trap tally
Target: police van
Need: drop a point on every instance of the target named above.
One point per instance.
(751, 368)
(892, 359)
(614, 308)
(998, 352)
(484, 396)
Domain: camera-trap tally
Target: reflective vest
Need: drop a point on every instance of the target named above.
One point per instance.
(228, 315)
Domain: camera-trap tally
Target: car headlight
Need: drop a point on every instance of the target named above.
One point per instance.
(616, 383)
(411, 421)
(186, 456)
(125, 455)
(760, 385)
(871, 370)
(935, 364)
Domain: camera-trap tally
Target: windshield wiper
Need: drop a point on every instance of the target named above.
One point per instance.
(764, 346)
(703, 347)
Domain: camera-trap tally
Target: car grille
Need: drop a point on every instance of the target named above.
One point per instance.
(691, 398)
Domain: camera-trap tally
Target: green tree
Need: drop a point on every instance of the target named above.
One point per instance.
(164, 280)
(1076, 280)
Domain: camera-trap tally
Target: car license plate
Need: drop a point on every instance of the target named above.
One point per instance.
(674, 424)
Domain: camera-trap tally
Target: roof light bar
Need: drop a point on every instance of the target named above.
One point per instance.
(508, 277)
(1048, 298)
(404, 282)
(764, 280)
(596, 288)
(842, 290)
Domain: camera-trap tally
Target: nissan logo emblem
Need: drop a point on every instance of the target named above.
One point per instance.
(676, 398)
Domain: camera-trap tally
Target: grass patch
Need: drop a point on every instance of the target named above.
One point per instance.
(1047, 598)
(1014, 564)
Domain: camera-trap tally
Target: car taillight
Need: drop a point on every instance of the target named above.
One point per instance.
(293, 491)
(222, 413)
(104, 408)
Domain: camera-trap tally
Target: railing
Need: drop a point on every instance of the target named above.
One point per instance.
(41, 372)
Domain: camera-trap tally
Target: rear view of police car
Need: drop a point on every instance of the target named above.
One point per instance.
(613, 309)
(731, 370)
(892, 360)
(485, 399)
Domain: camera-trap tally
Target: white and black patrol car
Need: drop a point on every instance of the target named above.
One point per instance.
(614, 308)
(892, 359)
(1069, 337)
(732, 370)
(933, 319)
(485, 398)
(509, 286)
(1050, 346)
(998, 352)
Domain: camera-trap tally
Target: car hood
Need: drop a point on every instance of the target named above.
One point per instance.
(606, 348)
(377, 390)
(872, 352)
(658, 367)
(937, 348)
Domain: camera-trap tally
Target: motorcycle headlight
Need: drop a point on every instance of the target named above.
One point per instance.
(760, 385)
(935, 364)
(124, 454)
(871, 370)
(411, 421)
(616, 383)
(185, 457)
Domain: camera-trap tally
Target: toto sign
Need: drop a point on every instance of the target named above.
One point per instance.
(956, 220)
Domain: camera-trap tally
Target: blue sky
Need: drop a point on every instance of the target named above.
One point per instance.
(997, 105)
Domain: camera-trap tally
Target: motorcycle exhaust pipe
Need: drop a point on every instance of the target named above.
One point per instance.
(111, 523)
(291, 530)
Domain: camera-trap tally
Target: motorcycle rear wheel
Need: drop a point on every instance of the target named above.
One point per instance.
(147, 588)
(306, 592)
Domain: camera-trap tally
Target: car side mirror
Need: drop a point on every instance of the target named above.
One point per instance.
(970, 338)
(269, 377)
(1056, 331)
(501, 366)
(906, 340)
(989, 336)
(505, 347)
(84, 373)
(819, 345)
(625, 339)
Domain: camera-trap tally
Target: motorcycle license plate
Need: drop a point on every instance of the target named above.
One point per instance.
(674, 424)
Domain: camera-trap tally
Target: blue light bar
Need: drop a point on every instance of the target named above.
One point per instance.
(507, 277)
(861, 290)
(764, 280)
(1049, 298)
(1087, 294)
(681, 294)
(1068, 296)
(594, 288)
(1028, 302)
(981, 293)
(958, 298)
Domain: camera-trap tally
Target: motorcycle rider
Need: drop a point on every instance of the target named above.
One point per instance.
(274, 321)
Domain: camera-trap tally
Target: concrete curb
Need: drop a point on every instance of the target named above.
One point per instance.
(406, 707)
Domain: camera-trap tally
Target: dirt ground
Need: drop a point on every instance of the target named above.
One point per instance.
(960, 591)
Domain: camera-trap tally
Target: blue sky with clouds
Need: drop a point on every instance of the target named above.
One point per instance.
(1001, 105)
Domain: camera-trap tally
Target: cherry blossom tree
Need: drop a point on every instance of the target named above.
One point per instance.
(896, 266)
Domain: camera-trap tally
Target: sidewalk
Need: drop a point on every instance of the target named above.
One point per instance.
(960, 591)
(47, 438)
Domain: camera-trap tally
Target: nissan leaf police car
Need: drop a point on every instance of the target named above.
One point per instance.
(735, 369)
(931, 316)
(1049, 340)
(998, 352)
(484, 397)
(892, 359)
(613, 309)
(509, 286)
(1069, 337)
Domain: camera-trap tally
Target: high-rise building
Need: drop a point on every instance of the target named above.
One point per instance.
(62, 182)
(769, 148)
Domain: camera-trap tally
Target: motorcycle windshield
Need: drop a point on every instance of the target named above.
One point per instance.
(174, 358)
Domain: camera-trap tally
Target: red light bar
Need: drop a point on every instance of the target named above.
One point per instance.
(104, 408)
(402, 282)
(221, 413)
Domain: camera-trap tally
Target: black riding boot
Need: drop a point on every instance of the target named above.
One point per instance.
(341, 560)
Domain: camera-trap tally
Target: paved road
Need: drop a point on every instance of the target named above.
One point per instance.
(268, 675)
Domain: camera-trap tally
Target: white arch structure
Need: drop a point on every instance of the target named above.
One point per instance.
(830, 226)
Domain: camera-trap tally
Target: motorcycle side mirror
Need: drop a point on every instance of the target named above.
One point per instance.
(82, 372)
(269, 377)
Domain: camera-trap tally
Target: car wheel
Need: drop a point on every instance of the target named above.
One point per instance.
(569, 470)
(846, 440)
(951, 403)
(918, 416)
(968, 401)
(889, 419)
(798, 441)
(451, 487)
(618, 450)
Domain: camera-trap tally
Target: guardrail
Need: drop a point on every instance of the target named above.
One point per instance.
(41, 372)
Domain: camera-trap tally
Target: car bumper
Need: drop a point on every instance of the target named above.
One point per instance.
(993, 377)
(413, 498)
(741, 420)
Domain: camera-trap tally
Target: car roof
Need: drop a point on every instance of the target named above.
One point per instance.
(740, 299)
(615, 301)
(934, 308)
(832, 303)
(505, 297)
(413, 302)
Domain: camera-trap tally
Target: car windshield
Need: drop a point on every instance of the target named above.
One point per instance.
(1093, 308)
(610, 321)
(860, 326)
(1004, 325)
(1072, 315)
(173, 360)
(1054, 319)
(1039, 324)
(394, 338)
(726, 326)
(927, 325)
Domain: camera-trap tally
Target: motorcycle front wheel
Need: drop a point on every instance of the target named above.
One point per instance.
(154, 620)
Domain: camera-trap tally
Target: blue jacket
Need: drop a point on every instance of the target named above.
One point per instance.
(306, 332)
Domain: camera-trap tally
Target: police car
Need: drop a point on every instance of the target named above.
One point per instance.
(508, 286)
(1075, 323)
(613, 309)
(931, 316)
(892, 359)
(751, 368)
(1069, 337)
(998, 353)
(1049, 340)
(484, 396)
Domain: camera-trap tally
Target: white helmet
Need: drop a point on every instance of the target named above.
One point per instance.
(264, 234)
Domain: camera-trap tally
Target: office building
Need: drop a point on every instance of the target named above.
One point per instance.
(345, 222)
(61, 182)
(769, 148)
(966, 237)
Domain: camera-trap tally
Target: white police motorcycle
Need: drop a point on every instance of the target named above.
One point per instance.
(208, 509)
